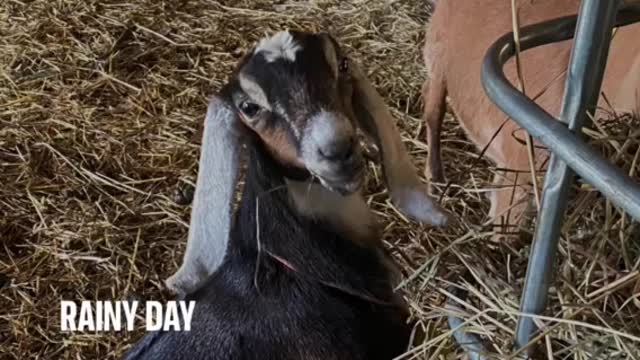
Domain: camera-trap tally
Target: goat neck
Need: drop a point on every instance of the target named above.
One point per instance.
(269, 227)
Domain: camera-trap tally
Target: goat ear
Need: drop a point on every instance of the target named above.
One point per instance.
(405, 188)
(213, 200)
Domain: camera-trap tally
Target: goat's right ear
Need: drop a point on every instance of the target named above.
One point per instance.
(211, 213)
(405, 188)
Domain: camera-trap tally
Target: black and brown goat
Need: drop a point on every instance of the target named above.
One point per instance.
(300, 272)
(304, 100)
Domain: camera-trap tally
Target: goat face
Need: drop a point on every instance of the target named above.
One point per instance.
(300, 96)
(294, 91)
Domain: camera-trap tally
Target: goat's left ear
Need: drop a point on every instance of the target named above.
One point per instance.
(405, 188)
(213, 200)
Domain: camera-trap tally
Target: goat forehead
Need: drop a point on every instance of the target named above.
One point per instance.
(281, 88)
(282, 45)
(291, 85)
(293, 53)
(293, 71)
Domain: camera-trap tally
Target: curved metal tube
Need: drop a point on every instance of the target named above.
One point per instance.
(621, 189)
(470, 342)
(583, 81)
(569, 152)
(565, 145)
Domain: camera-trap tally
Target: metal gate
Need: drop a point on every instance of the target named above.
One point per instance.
(591, 29)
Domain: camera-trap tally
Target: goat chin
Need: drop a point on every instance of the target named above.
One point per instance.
(349, 214)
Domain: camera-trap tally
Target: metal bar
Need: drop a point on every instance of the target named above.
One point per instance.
(548, 130)
(469, 341)
(583, 82)
(621, 189)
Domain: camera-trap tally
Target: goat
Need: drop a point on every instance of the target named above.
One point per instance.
(457, 39)
(210, 218)
(303, 273)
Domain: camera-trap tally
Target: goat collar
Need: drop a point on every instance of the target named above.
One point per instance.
(346, 290)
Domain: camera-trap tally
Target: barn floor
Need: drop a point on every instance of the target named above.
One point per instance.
(100, 102)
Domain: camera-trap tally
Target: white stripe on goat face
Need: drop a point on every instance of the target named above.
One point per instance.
(254, 91)
(281, 45)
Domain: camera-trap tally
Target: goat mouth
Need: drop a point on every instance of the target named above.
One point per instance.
(344, 186)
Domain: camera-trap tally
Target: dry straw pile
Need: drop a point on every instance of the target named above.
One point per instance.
(99, 104)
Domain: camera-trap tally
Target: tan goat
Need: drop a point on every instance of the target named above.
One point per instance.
(458, 36)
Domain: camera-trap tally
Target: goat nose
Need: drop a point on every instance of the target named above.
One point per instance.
(337, 150)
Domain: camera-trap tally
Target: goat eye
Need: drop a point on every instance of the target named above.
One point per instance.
(344, 66)
(249, 109)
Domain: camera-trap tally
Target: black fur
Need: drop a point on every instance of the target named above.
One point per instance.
(337, 304)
